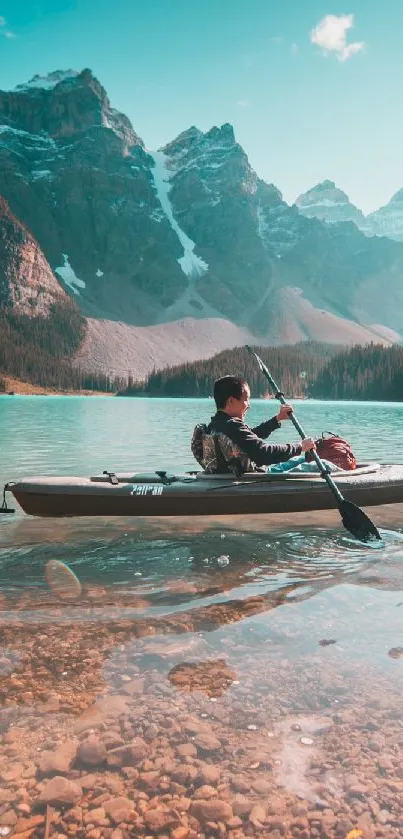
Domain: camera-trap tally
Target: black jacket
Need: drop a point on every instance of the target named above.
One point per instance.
(250, 440)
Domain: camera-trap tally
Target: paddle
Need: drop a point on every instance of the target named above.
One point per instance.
(353, 518)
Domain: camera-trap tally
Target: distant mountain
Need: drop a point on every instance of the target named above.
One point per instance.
(170, 246)
(328, 203)
(388, 220)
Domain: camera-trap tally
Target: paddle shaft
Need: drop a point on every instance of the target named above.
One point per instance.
(354, 519)
(280, 396)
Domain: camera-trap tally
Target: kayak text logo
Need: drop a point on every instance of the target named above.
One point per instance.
(147, 489)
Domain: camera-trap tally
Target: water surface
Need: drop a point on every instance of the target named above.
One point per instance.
(236, 676)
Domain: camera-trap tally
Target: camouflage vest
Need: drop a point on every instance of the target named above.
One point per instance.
(217, 454)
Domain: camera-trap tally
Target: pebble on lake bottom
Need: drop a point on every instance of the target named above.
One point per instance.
(62, 580)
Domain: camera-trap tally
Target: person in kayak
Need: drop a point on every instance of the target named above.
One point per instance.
(227, 443)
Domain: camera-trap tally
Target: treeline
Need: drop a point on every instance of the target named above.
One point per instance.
(294, 367)
(373, 372)
(38, 350)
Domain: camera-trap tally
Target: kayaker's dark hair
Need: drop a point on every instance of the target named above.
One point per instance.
(228, 386)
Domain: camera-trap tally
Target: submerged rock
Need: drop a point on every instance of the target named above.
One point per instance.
(60, 791)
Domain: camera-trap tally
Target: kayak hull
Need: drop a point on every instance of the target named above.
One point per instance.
(203, 495)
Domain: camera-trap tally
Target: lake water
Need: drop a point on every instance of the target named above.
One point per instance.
(213, 677)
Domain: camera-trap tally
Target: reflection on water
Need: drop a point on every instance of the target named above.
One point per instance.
(180, 695)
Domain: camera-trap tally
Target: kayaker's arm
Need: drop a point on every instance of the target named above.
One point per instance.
(255, 448)
(267, 428)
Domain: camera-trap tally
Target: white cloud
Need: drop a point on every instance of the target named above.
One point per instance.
(331, 35)
(294, 48)
(6, 32)
(242, 103)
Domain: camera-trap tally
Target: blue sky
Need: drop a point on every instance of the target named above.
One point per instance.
(310, 96)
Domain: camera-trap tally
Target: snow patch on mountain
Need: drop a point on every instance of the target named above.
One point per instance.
(36, 142)
(47, 82)
(68, 276)
(190, 264)
(201, 161)
(9, 130)
(41, 173)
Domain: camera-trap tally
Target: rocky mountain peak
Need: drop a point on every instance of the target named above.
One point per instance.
(62, 104)
(224, 134)
(184, 141)
(325, 193)
(193, 141)
(46, 82)
(328, 203)
(209, 162)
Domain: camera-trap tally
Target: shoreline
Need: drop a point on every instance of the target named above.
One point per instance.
(19, 388)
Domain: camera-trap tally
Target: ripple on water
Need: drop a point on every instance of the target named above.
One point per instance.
(172, 574)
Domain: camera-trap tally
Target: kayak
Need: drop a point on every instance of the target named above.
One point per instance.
(163, 493)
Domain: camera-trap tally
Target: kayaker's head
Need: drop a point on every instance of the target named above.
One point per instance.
(232, 395)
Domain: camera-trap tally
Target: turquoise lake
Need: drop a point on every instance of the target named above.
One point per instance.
(281, 640)
(77, 435)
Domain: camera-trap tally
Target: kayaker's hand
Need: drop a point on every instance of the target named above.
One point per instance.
(284, 413)
(308, 444)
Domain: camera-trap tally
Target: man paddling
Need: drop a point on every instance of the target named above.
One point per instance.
(227, 441)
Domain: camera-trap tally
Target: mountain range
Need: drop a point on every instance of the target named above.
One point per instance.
(330, 204)
(178, 253)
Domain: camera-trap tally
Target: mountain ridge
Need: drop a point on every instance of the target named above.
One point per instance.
(329, 204)
(189, 234)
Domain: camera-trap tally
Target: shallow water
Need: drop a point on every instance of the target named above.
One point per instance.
(237, 677)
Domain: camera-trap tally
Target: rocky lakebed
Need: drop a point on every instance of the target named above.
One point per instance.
(217, 698)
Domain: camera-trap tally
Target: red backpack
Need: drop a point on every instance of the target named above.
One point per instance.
(335, 449)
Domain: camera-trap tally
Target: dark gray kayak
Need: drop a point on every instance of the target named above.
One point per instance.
(197, 494)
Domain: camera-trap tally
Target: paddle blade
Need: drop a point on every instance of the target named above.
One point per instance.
(357, 522)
